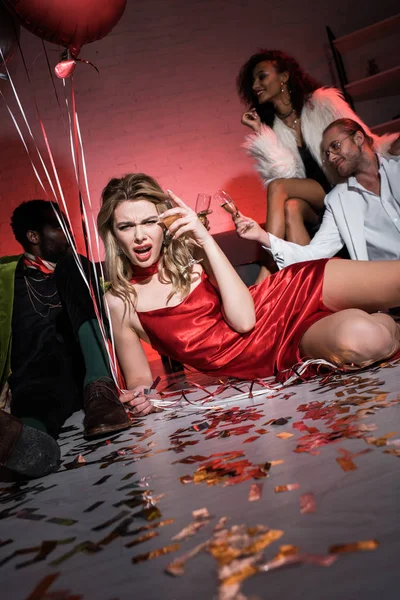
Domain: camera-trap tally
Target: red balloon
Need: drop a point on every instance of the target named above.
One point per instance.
(71, 23)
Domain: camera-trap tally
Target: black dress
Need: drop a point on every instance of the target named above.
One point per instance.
(312, 169)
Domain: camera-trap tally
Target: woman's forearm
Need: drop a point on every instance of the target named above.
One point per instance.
(237, 303)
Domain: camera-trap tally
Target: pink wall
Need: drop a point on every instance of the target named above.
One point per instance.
(165, 100)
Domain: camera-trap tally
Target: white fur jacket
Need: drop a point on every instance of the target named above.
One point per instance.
(275, 149)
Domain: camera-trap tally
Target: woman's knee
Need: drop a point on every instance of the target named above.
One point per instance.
(293, 210)
(362, 340)
(276, 189)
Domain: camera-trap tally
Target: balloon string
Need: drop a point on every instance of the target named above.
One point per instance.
(94, 228)
(88, 246)
(19, 103)
(78, 158)
(68, 231)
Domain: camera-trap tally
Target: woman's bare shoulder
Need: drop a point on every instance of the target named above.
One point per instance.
(117, 305)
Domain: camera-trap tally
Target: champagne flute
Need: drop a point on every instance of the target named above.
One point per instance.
(167, 221)
(164, 206)
(227, 203)
(203, 208)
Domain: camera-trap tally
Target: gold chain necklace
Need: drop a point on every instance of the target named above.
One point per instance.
(36, 295)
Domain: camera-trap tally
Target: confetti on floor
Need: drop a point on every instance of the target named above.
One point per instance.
(185, 487)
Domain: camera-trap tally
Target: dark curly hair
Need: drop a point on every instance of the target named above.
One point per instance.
(300, 85)
(31, 215)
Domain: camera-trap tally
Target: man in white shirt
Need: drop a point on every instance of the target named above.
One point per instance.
(363, 213)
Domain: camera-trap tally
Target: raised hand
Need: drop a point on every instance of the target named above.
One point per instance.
(251, 119)
(187, 223)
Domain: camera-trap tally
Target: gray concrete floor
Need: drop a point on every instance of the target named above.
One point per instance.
(72, 507)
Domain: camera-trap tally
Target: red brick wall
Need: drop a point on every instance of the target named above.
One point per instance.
(165, 100)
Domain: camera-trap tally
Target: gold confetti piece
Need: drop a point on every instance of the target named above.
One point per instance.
(364, 545)
(370, 439)
(176, 567)
(41, 590)
(286, 488)
(155, 553)
(365, 427)
(264, 540)
(255, 492)
(200, 514)
(191, 529)
(307, 504)
(142, 538)
(244, 573)
(393, 451)
(150, 514)
(222, 552)
(221, 523)
(286, 550)
(381, 441)
(284, 435)
(186, 479)
(296, 559)
(347, 464)
(150, 526)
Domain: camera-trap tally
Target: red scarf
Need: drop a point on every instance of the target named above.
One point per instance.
(141, 273)
(35, 262)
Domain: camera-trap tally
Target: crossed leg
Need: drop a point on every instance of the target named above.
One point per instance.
(287, 222)
(353, 336)
(290, 204)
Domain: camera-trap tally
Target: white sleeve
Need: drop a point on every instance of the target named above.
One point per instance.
(325, 244)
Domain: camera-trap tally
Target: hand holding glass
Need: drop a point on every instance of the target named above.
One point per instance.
(229, 205)
(167, 221)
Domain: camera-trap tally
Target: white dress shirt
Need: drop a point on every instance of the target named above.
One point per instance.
(381, 221)
(368, 224)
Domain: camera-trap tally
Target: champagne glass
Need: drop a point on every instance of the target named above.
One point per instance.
(203, 208)
(167, 221)
(227, 203)
(161, 208)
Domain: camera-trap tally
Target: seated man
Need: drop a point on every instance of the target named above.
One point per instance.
(363, 213)
(51, 351)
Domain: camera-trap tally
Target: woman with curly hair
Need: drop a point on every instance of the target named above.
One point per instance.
(288, 111)
(203, 314)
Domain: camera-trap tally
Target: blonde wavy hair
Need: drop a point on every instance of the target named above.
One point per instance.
(175, 255)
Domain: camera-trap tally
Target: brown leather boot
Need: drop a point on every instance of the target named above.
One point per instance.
(104, 413)
(25, 450)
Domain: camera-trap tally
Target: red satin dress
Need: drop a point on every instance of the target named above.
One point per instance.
(195, 333)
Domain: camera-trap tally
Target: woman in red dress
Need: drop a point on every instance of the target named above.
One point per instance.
(202, 314)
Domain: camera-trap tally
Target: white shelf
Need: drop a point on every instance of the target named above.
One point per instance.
(392, 126)
(386, 83)
(376, 31)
